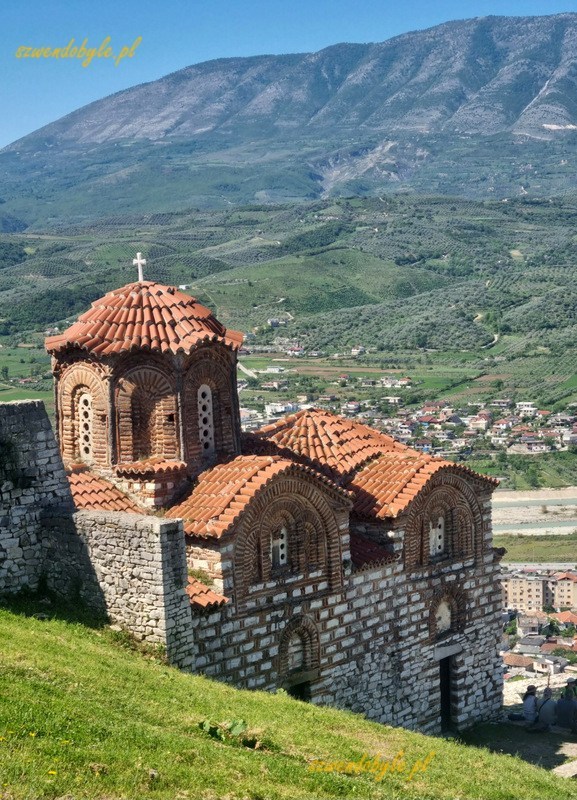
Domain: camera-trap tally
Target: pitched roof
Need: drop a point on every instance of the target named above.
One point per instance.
(383, 474)
(566, 576)
(202, 597)
(366, 552)
(385, 487)
(550, 647)
(516, 660)
(328, 441)
(90, 491)
(566, 617)
(223, 492)
(143, 315)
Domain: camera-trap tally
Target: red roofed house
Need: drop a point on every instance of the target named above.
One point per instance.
(343, 566)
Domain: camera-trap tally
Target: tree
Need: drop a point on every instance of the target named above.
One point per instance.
(511, 628)
(532, 476)
(4, 373)
(554, 629)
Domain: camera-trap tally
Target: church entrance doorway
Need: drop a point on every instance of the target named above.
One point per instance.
(300, 691)
(445, 677)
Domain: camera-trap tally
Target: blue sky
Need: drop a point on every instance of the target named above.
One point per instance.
(176, 33)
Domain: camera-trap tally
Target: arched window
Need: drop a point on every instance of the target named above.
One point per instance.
(279, 548)
(443, 617)
(85, 417)
(144, 434)
(437, 541)
(295, 653)
(206, 421)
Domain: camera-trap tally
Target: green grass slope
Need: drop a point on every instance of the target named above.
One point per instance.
(83, 717)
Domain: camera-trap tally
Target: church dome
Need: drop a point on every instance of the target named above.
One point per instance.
(144, 316)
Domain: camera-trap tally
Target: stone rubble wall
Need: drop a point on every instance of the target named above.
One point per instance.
(127, 566)
(32, 482)
(130, 567)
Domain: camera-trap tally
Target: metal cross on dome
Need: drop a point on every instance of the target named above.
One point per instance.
(139, 262)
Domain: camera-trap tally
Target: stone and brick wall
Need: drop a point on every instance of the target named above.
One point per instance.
(367, 640)
(377, 649)
(32, 482)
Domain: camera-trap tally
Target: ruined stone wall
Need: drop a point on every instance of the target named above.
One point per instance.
(32, 483)
(377, 648)
(130, 567)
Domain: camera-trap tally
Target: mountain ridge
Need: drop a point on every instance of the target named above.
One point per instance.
(407, 113)
(398, 72)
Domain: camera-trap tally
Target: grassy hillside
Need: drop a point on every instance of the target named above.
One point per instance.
(84, 716)
(536, 549)
(522, 472)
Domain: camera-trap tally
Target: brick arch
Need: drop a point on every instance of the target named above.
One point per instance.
(458, 603)
(146, 413)
(305, 629)
(452, 497)
(211, 366)
(314, 544)
(78, 379)
(299, 502)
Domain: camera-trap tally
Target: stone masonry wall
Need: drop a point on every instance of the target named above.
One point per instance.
(32, 482)
(131, 567)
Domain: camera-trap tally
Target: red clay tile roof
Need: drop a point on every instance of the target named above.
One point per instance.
(145, 315)
(566, 617)
(566, 576)
(90, 491)
(365, 551)
(152, 466)
(550, 647)
(383, 474)
(223, 492)
(517, 660)
(385, 487)
(202, 597)
(329, 441)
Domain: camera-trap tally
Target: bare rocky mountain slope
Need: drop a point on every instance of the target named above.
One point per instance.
(476, 76)
(483, 93)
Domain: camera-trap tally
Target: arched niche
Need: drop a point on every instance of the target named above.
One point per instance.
(443, 523)
(448, 609)
(146, 413)
(291, 510)
(299, 657)
(83, 414)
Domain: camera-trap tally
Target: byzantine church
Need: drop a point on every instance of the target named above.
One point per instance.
(325, 558)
